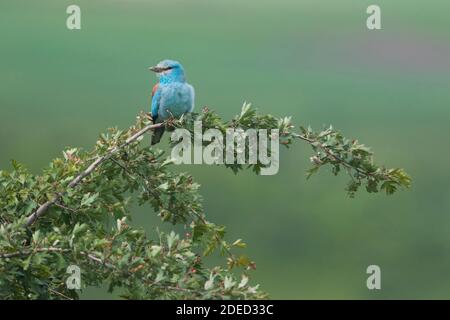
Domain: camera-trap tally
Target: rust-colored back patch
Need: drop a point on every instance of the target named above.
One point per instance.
(155, 87)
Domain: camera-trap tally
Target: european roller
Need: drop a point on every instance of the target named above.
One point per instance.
(172, 96)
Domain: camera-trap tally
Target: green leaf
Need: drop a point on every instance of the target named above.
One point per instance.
(311, 171)
(88, 199)
(198, 231)
(210, 283)
(228, 283)
(171, 239)
(30, 207)
(243, 282)
(164, 186)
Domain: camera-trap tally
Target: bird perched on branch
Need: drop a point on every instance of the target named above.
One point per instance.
(172, 96)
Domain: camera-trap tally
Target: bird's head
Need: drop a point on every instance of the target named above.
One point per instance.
(169, 71)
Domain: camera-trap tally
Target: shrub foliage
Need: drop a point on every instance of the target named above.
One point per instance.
(78, 212)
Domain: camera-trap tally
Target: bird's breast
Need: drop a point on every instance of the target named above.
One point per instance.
(176, 99)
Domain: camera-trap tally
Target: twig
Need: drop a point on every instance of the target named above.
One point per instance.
(335, 157)
(218, 239)
(28, 252)
(91, 257)
(59, 294)
(53, 249)
(57, 196)
(130, 174)
(59, 205)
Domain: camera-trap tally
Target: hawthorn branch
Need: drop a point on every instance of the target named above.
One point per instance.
(332, 156)
(48, 250)
(59, 294)
(90, 257)
(57, 196)
(28, 252)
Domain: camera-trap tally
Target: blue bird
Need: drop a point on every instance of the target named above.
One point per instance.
(172, 96)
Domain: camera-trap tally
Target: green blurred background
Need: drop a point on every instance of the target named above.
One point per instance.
(314, 60)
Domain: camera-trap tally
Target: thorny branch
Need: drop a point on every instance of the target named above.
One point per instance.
(43, 208)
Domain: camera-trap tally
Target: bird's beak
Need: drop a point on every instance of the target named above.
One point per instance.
(156, 69)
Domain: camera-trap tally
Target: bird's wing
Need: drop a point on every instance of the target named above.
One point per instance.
(156, 96)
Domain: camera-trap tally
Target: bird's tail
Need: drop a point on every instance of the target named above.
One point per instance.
(157, 134)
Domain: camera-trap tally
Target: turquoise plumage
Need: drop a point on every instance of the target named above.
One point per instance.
(172, 96)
